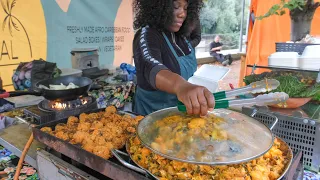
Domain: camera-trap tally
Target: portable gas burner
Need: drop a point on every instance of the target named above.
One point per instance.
(48, 111)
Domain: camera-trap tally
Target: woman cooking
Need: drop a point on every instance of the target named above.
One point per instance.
(164, 58)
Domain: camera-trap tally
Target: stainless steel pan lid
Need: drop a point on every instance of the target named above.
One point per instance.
(222, 137)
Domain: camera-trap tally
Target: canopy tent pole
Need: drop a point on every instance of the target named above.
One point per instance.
(241, 25)
(248, 26)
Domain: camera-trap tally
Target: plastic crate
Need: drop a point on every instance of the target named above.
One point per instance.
(301, 134)
(292, 47)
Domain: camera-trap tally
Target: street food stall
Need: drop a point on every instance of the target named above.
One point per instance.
(83, 128)
(79, 124)
(76, 139)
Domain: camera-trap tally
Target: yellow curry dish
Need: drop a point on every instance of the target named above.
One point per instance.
(270, 166)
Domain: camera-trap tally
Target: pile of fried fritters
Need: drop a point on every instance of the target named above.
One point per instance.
(97, 133)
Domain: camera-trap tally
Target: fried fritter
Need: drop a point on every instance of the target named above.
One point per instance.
(72, 129)
(103, 151)
(79, 136)
(70, 134)
(111, 110)
(123, 124)
(131, 129)
(100, 141)
(61, 127)
(87, 140)
(96, 125)
(116, 131)
(84, 126)
(139, 118)
(104, 121)
(93, 117)
(119, 142)
(62, 135)
(83, 117)
(47, 130)
(127, 118)
(88, 147)
(96, 133)
(72, 121)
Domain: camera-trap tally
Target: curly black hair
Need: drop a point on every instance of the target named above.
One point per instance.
(158, 13)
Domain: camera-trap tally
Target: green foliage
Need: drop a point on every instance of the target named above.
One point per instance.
(295, 84)
(279, 9)
(221, 17)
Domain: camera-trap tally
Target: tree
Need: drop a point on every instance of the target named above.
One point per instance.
(219, 16)
(223, 17)
(208, 19)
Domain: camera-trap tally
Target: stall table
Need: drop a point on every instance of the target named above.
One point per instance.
(15, 137)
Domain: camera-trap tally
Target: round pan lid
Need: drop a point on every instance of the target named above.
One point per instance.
(222, 137)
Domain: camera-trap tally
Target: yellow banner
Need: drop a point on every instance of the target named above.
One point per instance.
(50, 29)
(23, 35)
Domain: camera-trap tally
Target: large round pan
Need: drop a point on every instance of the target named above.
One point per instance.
(142, 170)
(62, 95)
(68, 94)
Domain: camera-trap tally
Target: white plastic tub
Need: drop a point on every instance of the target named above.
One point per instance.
(212, 86)
(209, 76)
(212, 72)
(284, 59)
(310, 58)
(311, 52)
(309, 63)
(71, 72)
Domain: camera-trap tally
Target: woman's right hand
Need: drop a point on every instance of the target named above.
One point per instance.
(197, 99)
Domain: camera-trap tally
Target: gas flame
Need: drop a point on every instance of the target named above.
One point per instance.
(59, 105)
(62, 105)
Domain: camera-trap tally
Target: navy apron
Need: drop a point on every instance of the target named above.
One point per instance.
(147, 102)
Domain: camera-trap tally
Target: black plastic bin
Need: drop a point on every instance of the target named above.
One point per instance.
(292, 47)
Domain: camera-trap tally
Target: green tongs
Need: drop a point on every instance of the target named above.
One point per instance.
(264, 86)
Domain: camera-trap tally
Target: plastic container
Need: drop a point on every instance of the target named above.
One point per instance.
(284, 59)
(128, 70)
(311, 52)
(212, 72)
(209, 76)
(310, 58)
(71, 72)
(212, 86)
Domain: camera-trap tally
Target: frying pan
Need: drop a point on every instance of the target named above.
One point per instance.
(62, 95)
(67, 94)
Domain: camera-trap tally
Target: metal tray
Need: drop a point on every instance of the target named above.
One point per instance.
(138, 168)
(106, 167)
